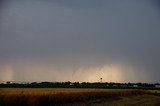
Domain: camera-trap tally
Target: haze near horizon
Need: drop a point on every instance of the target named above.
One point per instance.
(80, 40)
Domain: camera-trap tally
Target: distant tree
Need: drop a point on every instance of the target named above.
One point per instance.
(8, 82)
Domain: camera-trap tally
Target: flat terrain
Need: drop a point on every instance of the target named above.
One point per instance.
(71, 96)
(39, 91)
(139, 100)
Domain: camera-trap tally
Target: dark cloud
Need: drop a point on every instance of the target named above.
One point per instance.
(75, 38)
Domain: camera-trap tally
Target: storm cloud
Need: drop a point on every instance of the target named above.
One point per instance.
(79, 40)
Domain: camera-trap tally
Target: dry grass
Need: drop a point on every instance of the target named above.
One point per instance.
(55, 96)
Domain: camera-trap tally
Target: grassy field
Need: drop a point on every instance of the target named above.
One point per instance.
(68, 96)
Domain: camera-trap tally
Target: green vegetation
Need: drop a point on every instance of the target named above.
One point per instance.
(68, 84)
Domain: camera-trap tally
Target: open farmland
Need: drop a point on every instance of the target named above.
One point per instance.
(67, 96)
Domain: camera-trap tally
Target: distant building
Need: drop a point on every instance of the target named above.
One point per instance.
(135, 86)
(107, 85)
(115, 85)
(157, 86)
(71, 84)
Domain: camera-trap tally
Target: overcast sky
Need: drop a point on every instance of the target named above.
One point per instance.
(80, 40)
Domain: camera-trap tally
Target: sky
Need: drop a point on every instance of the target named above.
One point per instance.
(80, 40)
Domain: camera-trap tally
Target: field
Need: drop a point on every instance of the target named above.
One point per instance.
(71, 96)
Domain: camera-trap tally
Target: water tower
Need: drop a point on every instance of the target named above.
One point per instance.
(101, 80)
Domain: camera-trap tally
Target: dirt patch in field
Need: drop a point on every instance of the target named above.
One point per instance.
(139, 100)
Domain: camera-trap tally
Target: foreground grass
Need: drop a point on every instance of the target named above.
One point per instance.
(59, 96)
